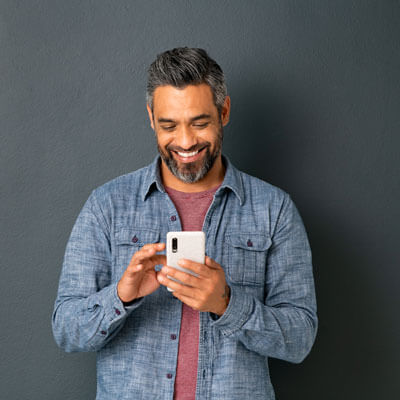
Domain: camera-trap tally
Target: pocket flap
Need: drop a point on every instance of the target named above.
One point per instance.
(249, 241)
(137, 237)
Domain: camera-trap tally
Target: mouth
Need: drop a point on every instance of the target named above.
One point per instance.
(189, 156)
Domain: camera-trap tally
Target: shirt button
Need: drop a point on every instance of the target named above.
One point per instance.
(135, 239)
(169, 376)
(103, 332)
(173, 217)
(117, 311)
(249, 243)
(173, 337)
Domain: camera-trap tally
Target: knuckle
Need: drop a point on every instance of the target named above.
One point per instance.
(147, 247)
(171, 272)
(131, 269)
(202, 297)
(181, 276)
(196, 305)
(190, 280)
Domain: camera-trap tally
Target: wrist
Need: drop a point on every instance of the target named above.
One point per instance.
(226, 297)
(123, 297)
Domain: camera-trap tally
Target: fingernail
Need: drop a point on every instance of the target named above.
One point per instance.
(165, 269)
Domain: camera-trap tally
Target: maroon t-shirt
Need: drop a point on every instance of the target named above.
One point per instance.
(192, 209)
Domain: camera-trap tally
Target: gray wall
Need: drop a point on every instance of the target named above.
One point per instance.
(315, 94)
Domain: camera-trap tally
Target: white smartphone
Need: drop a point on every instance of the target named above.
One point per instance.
(187, 244)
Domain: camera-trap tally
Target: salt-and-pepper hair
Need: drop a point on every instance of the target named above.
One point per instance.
(184, 66)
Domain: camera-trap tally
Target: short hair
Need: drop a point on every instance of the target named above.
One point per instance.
(185, 66)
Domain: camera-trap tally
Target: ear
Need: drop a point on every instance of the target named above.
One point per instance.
(150, 116)
(225, 112)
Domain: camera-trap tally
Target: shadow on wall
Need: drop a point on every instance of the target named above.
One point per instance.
(268, 137)
(346, 357)
(267, 132)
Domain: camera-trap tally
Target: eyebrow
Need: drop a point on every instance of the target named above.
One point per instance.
(197, 117)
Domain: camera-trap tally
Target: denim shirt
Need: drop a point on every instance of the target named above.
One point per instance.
(253, 230)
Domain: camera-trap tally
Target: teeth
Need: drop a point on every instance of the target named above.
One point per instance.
(193, 153)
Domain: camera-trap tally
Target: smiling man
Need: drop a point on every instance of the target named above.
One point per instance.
(252, 299)
(189, 135)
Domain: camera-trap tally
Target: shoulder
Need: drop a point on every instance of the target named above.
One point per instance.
(126, 185)
(257, 190)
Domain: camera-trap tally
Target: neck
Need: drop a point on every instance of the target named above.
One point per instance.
(214, 177)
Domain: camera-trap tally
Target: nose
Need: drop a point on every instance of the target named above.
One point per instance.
(185, 138)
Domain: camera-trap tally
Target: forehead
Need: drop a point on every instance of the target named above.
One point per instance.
(169, 101)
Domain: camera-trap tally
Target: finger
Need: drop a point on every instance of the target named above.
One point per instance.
(175, 286)
(182, 276)
(144, 264)
(198, 268)
(151, 262)
(144, 254)
(134, 269)
(150, 249)
(212, 264)
(155, 246)
(157, 259)
(189, 301)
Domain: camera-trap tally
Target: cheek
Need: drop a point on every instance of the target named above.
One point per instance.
(162, 140)
(212, 137)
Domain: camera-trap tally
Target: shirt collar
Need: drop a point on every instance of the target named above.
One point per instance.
(232, 180)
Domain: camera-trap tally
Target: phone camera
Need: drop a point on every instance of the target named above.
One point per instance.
(174, 245)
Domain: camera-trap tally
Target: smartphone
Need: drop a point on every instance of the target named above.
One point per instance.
(187, 244)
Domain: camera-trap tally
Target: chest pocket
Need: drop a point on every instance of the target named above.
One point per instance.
(247, 257)
(127, 243)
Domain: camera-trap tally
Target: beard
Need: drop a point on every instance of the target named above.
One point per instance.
(194, 171)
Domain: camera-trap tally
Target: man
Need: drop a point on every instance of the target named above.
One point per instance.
(252, 299)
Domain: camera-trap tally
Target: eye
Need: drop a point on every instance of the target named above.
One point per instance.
(168, 128)
(201, 126)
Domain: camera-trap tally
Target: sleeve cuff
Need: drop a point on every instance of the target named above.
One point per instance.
(236, 314)
(114, 308)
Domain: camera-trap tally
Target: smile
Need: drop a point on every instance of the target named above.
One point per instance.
(193, 153)
(190, 156)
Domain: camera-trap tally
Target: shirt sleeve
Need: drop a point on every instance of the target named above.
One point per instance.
(88, 312)
(284, 326)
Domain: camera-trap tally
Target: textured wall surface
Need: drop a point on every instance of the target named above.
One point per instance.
(315, 110)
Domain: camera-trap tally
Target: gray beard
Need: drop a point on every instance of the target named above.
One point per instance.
(189, 173)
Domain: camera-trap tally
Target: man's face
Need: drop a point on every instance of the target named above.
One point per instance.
(189, 130)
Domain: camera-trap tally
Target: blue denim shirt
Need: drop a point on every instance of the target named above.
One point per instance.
(253, 231)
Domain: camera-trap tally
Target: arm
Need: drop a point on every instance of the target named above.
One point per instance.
(88, 312)
(284, 326)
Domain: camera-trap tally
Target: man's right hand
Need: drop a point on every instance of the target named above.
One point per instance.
(140, 277)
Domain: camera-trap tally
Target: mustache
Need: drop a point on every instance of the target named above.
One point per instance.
(195, 147)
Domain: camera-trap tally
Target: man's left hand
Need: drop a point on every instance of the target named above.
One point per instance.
(207, 292)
